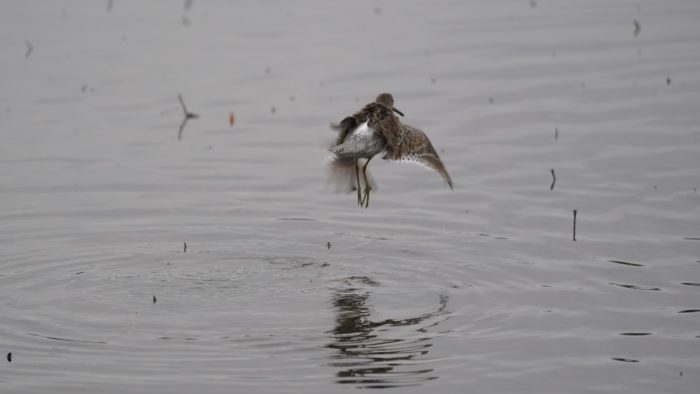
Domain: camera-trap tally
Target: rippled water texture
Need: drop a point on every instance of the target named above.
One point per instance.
(538, 108)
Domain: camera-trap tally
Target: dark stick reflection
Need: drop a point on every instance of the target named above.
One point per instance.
(367, 355)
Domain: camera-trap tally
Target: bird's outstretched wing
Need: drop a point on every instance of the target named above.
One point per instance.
(416, 148)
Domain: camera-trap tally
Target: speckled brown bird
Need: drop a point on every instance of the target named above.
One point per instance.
(366, 134)
(380, 116)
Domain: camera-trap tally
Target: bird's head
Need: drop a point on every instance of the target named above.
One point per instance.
(387, 100)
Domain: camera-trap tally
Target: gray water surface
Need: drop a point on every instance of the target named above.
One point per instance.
(287, 287)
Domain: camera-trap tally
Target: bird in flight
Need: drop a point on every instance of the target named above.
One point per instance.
(372, 130)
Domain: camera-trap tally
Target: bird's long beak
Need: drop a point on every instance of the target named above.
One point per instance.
(398, 112)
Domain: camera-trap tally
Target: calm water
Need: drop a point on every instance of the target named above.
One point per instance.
(480, 290)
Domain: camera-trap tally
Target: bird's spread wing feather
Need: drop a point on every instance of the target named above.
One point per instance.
(416, 148)
(430, 162)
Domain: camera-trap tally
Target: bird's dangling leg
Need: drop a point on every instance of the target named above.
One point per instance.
(359, 185)
(368, 188)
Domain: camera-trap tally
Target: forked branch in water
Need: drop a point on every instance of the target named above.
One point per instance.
(188, 115)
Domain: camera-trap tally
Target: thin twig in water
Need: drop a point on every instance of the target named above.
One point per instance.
(185, 250)
(188, 115)
(574, 225)
(554, 179)
(556, 134)
(637, 28)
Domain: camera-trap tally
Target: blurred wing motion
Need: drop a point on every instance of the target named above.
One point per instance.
(341, 174)
(416, 148)
(341, 170)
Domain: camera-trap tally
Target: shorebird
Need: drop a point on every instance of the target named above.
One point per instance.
(379, 116)
(368, 133)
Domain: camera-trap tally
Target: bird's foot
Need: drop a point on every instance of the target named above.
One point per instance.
(365, 198)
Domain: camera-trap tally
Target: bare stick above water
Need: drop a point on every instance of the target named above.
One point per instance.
(554, 179)
(188, 115)
(574, 225)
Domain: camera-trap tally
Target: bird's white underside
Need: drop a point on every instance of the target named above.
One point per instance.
(363, 129)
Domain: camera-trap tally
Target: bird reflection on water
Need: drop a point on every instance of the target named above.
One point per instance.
(366, 355)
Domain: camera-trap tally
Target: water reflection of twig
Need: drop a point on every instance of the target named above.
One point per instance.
(364, 357)
(182, 127)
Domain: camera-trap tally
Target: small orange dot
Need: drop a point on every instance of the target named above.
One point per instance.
(231, 119)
